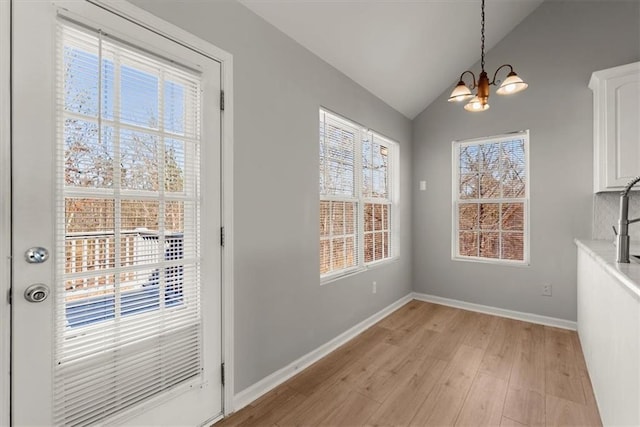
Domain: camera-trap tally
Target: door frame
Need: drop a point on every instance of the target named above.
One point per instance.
(190, 41)
(5, 211)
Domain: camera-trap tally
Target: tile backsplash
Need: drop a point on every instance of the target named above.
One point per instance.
(606, 210)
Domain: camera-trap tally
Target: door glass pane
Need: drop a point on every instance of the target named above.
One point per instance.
(128, 285)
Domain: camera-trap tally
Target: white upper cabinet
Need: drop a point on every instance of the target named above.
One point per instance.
(616, 116)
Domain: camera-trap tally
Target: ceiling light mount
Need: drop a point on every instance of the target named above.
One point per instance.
(480, 102)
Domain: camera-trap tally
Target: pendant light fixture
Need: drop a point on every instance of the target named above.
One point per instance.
(480, 101)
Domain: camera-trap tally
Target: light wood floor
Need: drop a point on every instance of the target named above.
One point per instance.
(428, 364)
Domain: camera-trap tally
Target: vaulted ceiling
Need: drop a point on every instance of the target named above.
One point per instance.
(406, 52)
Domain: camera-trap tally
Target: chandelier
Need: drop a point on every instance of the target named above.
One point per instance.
(480, 102)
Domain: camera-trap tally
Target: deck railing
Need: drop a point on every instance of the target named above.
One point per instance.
(90, 256)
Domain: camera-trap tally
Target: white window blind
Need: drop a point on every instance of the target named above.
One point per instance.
(339, 202)
(357, 174)
(491, 199)
(375, 190)
(127, 293)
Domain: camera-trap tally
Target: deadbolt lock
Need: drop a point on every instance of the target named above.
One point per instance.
(36, 255)
(36, 293)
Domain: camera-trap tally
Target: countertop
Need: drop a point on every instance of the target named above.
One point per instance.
(604, 253)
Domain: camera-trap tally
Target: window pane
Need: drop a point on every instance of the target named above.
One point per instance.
(368, 247)
(377, 217)
(88, 157)
(489, 185)
(142, 108)
(468, 216)
(368, 217)
(349, 218)
(378, 246)
(469, 186)
(108, 86)
(325, 209)
(174, 107)
(385, 248)
(337, 218)
(337, 165)
(468, 160)
(323, 173)
(338, 245)
(339, 178)
(489, 157)
(350, 252)
(139, 160)
(338, 254)
(489, 245)
(87, 299)
(513, 246)
(174, 216)
(379, 178)
(468, 243)
(140, 214)
(174, 165)
(513, 216)
(489, 216)
(85, 252)
(81, 80)
(513, 168)
(84, 215)
(325, 260)
(367, 166)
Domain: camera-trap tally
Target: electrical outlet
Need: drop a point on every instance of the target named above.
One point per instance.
(546, 289)
(374, 288)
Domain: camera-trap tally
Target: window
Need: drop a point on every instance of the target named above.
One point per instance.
(358, 170)
(491, 199)
(128, 275)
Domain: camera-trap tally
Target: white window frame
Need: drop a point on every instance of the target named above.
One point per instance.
(455, 249)
(393, 188)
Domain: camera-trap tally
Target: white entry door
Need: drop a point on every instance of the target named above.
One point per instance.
(116, 175)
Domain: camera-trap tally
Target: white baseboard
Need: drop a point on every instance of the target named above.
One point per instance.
(527, 317)
(268, 383)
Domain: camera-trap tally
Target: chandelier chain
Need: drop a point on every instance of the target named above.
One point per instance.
(482, 38)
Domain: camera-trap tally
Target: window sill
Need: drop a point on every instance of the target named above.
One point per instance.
(493, 261)
(324, 280)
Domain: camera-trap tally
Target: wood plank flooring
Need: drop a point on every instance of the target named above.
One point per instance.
(431, 365)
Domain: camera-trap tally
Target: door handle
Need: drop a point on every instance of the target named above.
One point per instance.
(37, 292)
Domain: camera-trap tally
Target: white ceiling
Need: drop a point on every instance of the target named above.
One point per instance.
(406, 52)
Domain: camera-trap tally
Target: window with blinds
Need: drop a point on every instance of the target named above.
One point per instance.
(357, 176)
(491, 199)
(127, 292)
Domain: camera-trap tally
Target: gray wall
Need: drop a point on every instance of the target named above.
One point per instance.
(555, 50)
(281, 311)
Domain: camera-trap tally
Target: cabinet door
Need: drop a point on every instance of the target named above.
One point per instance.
(622, 129)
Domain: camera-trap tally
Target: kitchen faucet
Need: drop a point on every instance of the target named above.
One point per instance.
(623, 223)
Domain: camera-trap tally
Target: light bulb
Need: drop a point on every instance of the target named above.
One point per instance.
(476, 105)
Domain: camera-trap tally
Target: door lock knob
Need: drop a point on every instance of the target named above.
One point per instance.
(36, 293)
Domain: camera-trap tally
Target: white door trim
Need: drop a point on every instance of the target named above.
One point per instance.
(5, 211)
(177, 34)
